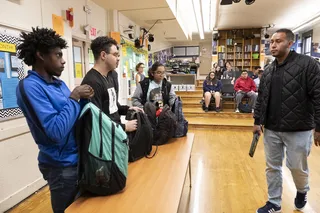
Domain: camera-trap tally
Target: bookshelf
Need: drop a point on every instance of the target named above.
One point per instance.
(240, 48)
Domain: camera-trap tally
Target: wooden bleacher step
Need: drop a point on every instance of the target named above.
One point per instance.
(226, 113)
(219, 123)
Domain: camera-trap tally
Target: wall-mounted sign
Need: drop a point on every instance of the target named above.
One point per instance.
(93, 33)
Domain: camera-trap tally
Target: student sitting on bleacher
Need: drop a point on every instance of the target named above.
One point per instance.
(245, 87)
(257, 80)
(154, 89)
(211, 88)
(229, 73)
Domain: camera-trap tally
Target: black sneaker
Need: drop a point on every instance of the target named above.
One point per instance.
(269, 208)
(300, 201)
(206, 109)
(218, 109)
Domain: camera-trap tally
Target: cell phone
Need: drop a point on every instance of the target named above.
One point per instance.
(254, 143)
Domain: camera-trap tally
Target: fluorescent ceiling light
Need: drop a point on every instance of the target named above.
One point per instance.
(206, 15)
(194, 16)
(213, 14)
(172, 5)
(307, 24)
(198, 13)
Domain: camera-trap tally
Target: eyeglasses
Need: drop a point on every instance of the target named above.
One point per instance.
(116, 54)
(159, 73)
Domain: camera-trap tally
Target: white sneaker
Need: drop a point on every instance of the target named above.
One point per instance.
(237, 110)
(252, 110)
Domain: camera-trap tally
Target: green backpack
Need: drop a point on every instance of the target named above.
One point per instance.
(103, 152)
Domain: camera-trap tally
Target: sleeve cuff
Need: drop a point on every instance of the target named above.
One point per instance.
(77, 101)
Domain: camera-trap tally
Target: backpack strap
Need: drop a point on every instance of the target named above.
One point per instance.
(144, 86)
(166, 88)
(146, 120)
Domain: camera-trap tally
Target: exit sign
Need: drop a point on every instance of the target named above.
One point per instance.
(93, 33)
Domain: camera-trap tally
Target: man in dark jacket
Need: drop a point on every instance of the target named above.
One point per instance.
(288, 106)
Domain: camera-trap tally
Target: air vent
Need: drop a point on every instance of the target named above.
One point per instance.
(171, 38)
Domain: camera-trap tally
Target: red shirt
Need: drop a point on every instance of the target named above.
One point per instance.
(245, 85)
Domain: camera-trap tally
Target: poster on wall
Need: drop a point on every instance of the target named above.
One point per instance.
(11, 71)
(163, 56)
(150, 60)
(131, 56)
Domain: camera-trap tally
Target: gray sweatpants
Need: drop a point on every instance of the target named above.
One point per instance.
(251, 95)
(297, 146)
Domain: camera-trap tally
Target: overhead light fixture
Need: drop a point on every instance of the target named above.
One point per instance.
(225, 2)
(198, 15)
(151, 38)
(306, 24)
(249, 2)
(137, 43)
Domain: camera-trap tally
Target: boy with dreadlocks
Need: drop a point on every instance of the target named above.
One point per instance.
(51, 111)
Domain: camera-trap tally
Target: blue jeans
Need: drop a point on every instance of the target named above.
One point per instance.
(298, 145)
(63, 186)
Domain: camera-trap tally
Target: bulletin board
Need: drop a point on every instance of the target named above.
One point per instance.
(11, 72)
(131, 56)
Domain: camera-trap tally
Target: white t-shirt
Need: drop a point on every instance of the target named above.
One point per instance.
(257, 82)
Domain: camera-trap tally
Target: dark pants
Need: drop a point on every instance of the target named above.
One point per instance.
(63, 186)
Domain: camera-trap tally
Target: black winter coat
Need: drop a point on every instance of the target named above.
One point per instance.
(300, 94)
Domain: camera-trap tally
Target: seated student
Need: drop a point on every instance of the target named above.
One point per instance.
(155, 88)
(51, 111)
(245, 86)
(229, 73)
(257, 80)
(139, 76)
(212, 87)
(218, 72)
(254, 74)
(103, 79)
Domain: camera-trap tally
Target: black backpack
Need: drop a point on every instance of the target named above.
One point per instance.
(182, 124)
(140, 141)
(164, 126)
(245, 108)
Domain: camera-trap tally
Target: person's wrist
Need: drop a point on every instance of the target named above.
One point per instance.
(75, 97)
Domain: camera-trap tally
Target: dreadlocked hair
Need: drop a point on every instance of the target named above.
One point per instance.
(40, 39)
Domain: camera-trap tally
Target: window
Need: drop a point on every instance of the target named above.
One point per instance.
(82, 60)
(307, 43)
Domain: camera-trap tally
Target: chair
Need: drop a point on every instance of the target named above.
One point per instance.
(227, 92)
(225, 81)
